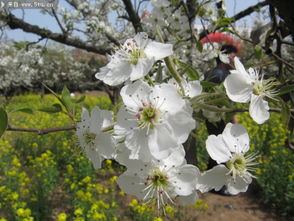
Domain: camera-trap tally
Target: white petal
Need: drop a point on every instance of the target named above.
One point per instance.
(122, 154)
(175, 159)
(167, 98)
(238, 185)
(239, 66)
(253, 74)
(184, 180)
(236, 138)
(107, 117)
(117, 74)
(214, 178)
(224, 58)
(141, 69)
(125, 121)
(142, 39)
(181, 124)
(193, 89)
(137, 142)
(131, 185)
(259, 109)
(238, 87)
(85, 122)
(134, 94)
(161, 142)
(105, 145)
(158, 50)
(217, 149)
(94, 156)
(96, 120)
(188, 200)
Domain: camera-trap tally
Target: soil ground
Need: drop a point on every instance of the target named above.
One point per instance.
(243, 207)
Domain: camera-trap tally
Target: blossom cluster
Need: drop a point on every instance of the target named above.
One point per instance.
(151, 126)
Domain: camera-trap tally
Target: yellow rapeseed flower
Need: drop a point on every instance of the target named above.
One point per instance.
(61, 217)
(78, 212)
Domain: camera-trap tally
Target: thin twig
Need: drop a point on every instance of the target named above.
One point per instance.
(40, 131)
(58, 22)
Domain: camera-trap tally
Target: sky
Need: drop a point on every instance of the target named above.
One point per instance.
(34, 16)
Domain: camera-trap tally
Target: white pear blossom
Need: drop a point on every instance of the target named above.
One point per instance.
(133, 60)
(242, 86)
(212, 50)
(161, 181)
(229, 150)
(191, 88)
(154, 120)
(97, 144)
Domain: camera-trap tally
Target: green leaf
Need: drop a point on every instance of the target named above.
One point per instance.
(197, 105)
(207, 84)
(3, 121)
(258, 52)
(199, 46)
(207, 96)
(226, 29)
(286, 89)
(188, 70)
(51, 109)
(66, 99)
(22, 109)
(158, 77)
(79, 100)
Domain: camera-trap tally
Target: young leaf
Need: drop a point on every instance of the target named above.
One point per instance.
(207, 84)
(188, 70)
(66, 99)
(158, 77)
(3, 121)
(199, 46)
(79, 100)
(258, 52)
(22, 109)
(286, 89)
(51, 109)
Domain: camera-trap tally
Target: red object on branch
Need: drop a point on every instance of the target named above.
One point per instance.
(221, 38)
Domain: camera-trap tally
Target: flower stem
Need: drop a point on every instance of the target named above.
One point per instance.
(150, 81)
(170, 64)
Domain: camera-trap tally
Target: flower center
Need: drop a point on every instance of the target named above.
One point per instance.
(157, 188)
(241, 165)
(90, 138)
(265, 87)
(133, 51)
(258, 88)
(237, 163)
(135, 56)
(148, 116)
(158, 178)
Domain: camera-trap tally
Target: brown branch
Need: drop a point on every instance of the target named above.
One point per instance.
(58, 22)
(16, 23)
(267, 51)
(40, 131)
(50, 130)
(133, 16)
(249, 10)
(245, 12)
(277, 110)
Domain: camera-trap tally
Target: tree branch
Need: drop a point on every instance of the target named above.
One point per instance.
(16, 23)
(40, 131)
(133, 16)
(249, 10)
